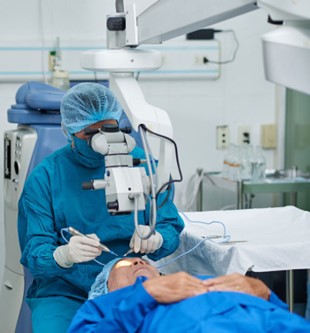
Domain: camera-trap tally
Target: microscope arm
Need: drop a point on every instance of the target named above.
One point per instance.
(164, 20)
(128, 92)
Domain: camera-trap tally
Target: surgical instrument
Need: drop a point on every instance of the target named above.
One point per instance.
(128, 252)
(233, 242)
(103, 247)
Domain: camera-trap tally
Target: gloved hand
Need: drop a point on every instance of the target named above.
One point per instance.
(149, 245)
(79, 249)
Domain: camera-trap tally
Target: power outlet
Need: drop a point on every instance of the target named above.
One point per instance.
(222, 137)
(268, 138)
(244, 135)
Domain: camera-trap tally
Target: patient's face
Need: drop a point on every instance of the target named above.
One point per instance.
(125, 272)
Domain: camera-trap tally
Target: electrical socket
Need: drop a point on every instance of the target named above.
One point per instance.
(222, 137)
(268, 136)
(244, 135)
(200, 60)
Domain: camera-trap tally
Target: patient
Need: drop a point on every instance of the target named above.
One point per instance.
(130, 295)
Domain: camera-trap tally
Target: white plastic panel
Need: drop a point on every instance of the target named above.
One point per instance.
(12, 291)
(22, 142)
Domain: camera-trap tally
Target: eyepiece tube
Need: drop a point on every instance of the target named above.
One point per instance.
(88, 185)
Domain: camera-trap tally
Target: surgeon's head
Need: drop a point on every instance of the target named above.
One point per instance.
(120, 273)
(86, 104)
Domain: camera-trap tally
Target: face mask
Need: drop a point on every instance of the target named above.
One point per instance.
(85, 154)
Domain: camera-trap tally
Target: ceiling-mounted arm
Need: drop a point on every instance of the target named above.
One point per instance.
(165, 20)
(138, 22)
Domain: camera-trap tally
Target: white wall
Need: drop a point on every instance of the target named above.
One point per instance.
(241, 96)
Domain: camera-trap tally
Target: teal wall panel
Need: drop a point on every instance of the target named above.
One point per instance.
(297, 138)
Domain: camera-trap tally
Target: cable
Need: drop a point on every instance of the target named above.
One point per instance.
(194, 193)
(137, 228)
(176, 155)
(225, 238)
(168, 192)
(198, 178)
(181, 255)
(152, 174)
(65, 239)
(153, 163)
(63, 236)
(235, 51)
(151, 177)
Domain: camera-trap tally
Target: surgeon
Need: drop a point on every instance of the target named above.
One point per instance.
(53, 200)
(129, 295)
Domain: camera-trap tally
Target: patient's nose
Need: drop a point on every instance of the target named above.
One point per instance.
(139, 261)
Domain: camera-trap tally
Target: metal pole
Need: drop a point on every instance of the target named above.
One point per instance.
(239, 194)
(293, 198)
(199, 193)
(290, 289)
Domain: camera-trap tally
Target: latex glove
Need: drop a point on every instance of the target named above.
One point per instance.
(149, 245)
(79, 249)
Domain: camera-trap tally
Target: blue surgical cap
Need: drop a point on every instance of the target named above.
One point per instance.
(100, 286)
(86, 104)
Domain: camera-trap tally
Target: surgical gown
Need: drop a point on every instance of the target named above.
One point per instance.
(132, 309)
(53, 199)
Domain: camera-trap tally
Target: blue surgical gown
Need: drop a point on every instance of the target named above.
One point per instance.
(53, 199)
(132, 309)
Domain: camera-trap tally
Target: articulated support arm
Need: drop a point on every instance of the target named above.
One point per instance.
(128, 92)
